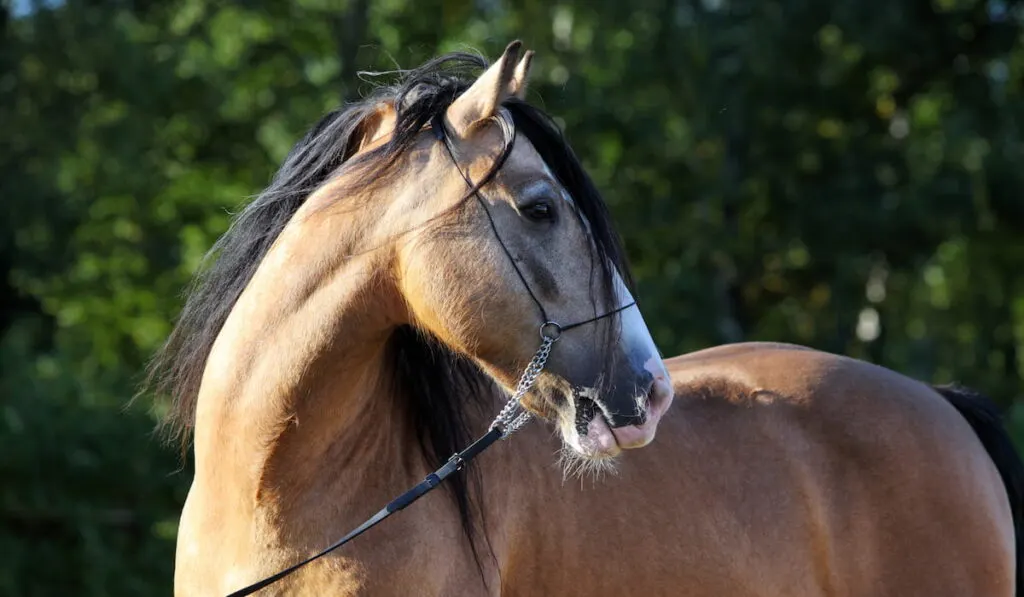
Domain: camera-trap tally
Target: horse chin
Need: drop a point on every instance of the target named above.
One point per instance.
(590, 454)
(590, 436)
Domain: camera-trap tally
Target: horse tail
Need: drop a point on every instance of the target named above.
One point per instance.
(985, 419)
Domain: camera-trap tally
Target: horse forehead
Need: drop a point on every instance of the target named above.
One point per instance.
(525, 166)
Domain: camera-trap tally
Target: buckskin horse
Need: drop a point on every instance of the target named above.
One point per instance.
(363, 318)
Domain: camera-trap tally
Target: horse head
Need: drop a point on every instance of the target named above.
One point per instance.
(511, 234)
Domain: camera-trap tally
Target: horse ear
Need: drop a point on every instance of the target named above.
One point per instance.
(520, 78)
(483, 98)
(375, 128)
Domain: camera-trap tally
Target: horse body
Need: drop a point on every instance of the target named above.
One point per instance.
(780, 471)
(354, 334)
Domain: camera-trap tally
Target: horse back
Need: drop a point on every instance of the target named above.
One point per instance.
(864, 480)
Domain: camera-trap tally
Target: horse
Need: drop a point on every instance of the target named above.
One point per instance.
(366, 315)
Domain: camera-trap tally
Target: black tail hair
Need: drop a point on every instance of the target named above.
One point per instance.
(983, 416)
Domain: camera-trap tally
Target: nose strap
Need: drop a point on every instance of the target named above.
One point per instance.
(441, 134)
(615, 311)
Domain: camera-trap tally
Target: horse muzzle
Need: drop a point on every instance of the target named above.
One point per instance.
(603, 428)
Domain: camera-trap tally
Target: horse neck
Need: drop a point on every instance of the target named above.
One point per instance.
(297, 379)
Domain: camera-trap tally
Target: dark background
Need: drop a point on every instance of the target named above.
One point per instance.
(843, 174)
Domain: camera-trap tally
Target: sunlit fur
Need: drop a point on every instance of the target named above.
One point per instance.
(441, 385)
(314, 396)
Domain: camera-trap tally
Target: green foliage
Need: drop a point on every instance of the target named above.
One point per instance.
(839, 174)
(87, 505)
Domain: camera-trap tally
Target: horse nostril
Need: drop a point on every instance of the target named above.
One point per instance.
(633, 410)
(647, 384)
(627, 404)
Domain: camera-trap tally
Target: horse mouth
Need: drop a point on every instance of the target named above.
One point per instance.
(586, 410)
(590, 434)
(590, 431)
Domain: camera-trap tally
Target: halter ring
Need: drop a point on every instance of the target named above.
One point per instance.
(550, 330)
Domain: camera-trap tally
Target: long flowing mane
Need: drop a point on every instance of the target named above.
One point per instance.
(431, 376)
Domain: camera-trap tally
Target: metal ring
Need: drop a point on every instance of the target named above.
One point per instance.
(546, 332)
(459, 462)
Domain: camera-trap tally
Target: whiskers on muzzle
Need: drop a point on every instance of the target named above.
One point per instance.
(575, 465)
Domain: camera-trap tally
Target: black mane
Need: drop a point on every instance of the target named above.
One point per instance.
(428, 373)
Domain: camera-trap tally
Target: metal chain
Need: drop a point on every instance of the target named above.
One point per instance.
(513, 416)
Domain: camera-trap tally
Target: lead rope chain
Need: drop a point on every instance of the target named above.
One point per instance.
(513, 415)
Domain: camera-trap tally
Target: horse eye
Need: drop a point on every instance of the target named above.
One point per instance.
(538, 212)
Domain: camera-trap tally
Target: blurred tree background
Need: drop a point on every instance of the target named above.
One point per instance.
(846, 175)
